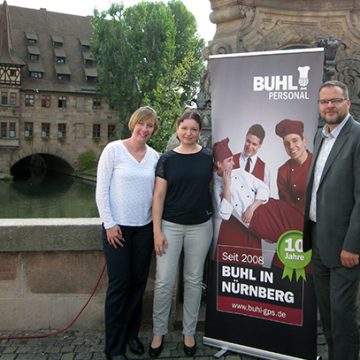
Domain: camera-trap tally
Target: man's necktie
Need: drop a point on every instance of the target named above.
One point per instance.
(247, 166)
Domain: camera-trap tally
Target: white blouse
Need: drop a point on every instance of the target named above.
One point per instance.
(125, 186)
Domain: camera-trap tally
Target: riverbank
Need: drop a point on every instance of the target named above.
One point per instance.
(5, 177)
(86, 176)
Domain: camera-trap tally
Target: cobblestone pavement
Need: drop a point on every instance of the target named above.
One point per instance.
(89, 345)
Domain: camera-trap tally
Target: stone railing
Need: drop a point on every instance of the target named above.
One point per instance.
(48, 269)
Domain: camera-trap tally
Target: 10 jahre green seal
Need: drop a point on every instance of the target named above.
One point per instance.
(290, 253)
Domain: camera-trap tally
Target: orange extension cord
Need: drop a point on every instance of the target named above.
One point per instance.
(72, 322)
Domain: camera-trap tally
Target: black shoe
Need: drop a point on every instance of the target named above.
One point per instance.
(135, 346)
(116, 357)
(155, 352)
(190, 350)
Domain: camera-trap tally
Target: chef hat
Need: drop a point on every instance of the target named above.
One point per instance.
(221, 150)
(287, 126)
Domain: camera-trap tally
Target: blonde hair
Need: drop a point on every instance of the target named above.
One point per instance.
(140, 115)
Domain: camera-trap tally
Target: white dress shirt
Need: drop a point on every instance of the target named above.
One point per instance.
(253, 159)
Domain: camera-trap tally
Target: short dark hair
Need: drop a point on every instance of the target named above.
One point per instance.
(190, 114)
(258, 131)
(333, 83)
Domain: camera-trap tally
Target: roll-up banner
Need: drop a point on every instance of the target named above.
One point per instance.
(260, 298)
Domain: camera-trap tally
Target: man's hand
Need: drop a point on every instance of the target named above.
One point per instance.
(349, 259)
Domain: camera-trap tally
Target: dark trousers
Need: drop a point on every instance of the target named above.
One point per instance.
(336, 292)
(128, 270)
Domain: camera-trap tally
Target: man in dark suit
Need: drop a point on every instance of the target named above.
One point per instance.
(332, 220)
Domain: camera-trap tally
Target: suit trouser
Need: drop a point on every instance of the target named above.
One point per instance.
(336, 292)
(195, 240)
(128, 270)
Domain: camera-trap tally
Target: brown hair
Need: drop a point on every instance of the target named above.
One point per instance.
(333, 83)
(190, 114)
(258, 131)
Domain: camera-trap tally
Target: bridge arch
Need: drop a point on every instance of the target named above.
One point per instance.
(38, 160)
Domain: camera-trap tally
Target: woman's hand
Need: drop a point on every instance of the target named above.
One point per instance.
(227, 184)
(247, 215)
(227, 178)
(160, 243)
(249, 212)
(115, 237)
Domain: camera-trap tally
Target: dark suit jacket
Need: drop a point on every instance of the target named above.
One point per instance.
(338, 197)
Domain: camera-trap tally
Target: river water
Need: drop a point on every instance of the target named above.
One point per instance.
(50, 196)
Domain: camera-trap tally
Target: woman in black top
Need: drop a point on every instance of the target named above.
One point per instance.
(182, 210)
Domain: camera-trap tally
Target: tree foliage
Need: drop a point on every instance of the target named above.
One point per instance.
(148, 54)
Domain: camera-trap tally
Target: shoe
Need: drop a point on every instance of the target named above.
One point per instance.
(136, 346)
(155, 352)
(190, 350)
(116, 357)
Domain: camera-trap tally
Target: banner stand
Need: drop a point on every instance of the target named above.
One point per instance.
(261, 298)
(225, 346)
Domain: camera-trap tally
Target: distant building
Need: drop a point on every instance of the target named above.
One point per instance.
(48, 99)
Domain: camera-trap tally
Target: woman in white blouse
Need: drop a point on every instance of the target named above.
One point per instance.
(124, 189)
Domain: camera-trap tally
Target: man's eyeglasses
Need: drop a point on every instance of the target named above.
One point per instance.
(336, 101)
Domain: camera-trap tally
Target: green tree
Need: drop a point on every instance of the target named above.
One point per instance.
(189, 48)
(148, 54)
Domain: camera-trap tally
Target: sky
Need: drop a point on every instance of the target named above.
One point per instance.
(200, 8)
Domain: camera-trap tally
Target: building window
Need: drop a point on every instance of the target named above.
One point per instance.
(63, 76)
(111, 131)
(29, 100)
(96, 103)
(12, 130)
(60, 60)
(35, 75)
(13, 98)
(3, 130)
(4, 98)
(96, 131)
(29, 130)
(13, 72)
(46, 101)
(61, 131)
(91, 80)
(89, 62)
(45, 130)
(32, 41)
(34, 57)
(62, 102)
(57, 44)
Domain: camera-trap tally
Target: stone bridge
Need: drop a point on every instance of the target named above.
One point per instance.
(48, 271)
(20, 156)
(40, 158)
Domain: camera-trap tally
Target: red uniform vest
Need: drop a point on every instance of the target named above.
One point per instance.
(259, 169)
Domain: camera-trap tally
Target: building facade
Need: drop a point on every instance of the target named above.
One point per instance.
(48, 99)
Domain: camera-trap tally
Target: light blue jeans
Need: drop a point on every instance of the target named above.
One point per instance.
(195, 240)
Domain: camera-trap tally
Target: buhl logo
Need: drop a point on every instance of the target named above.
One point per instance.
(284, 87)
